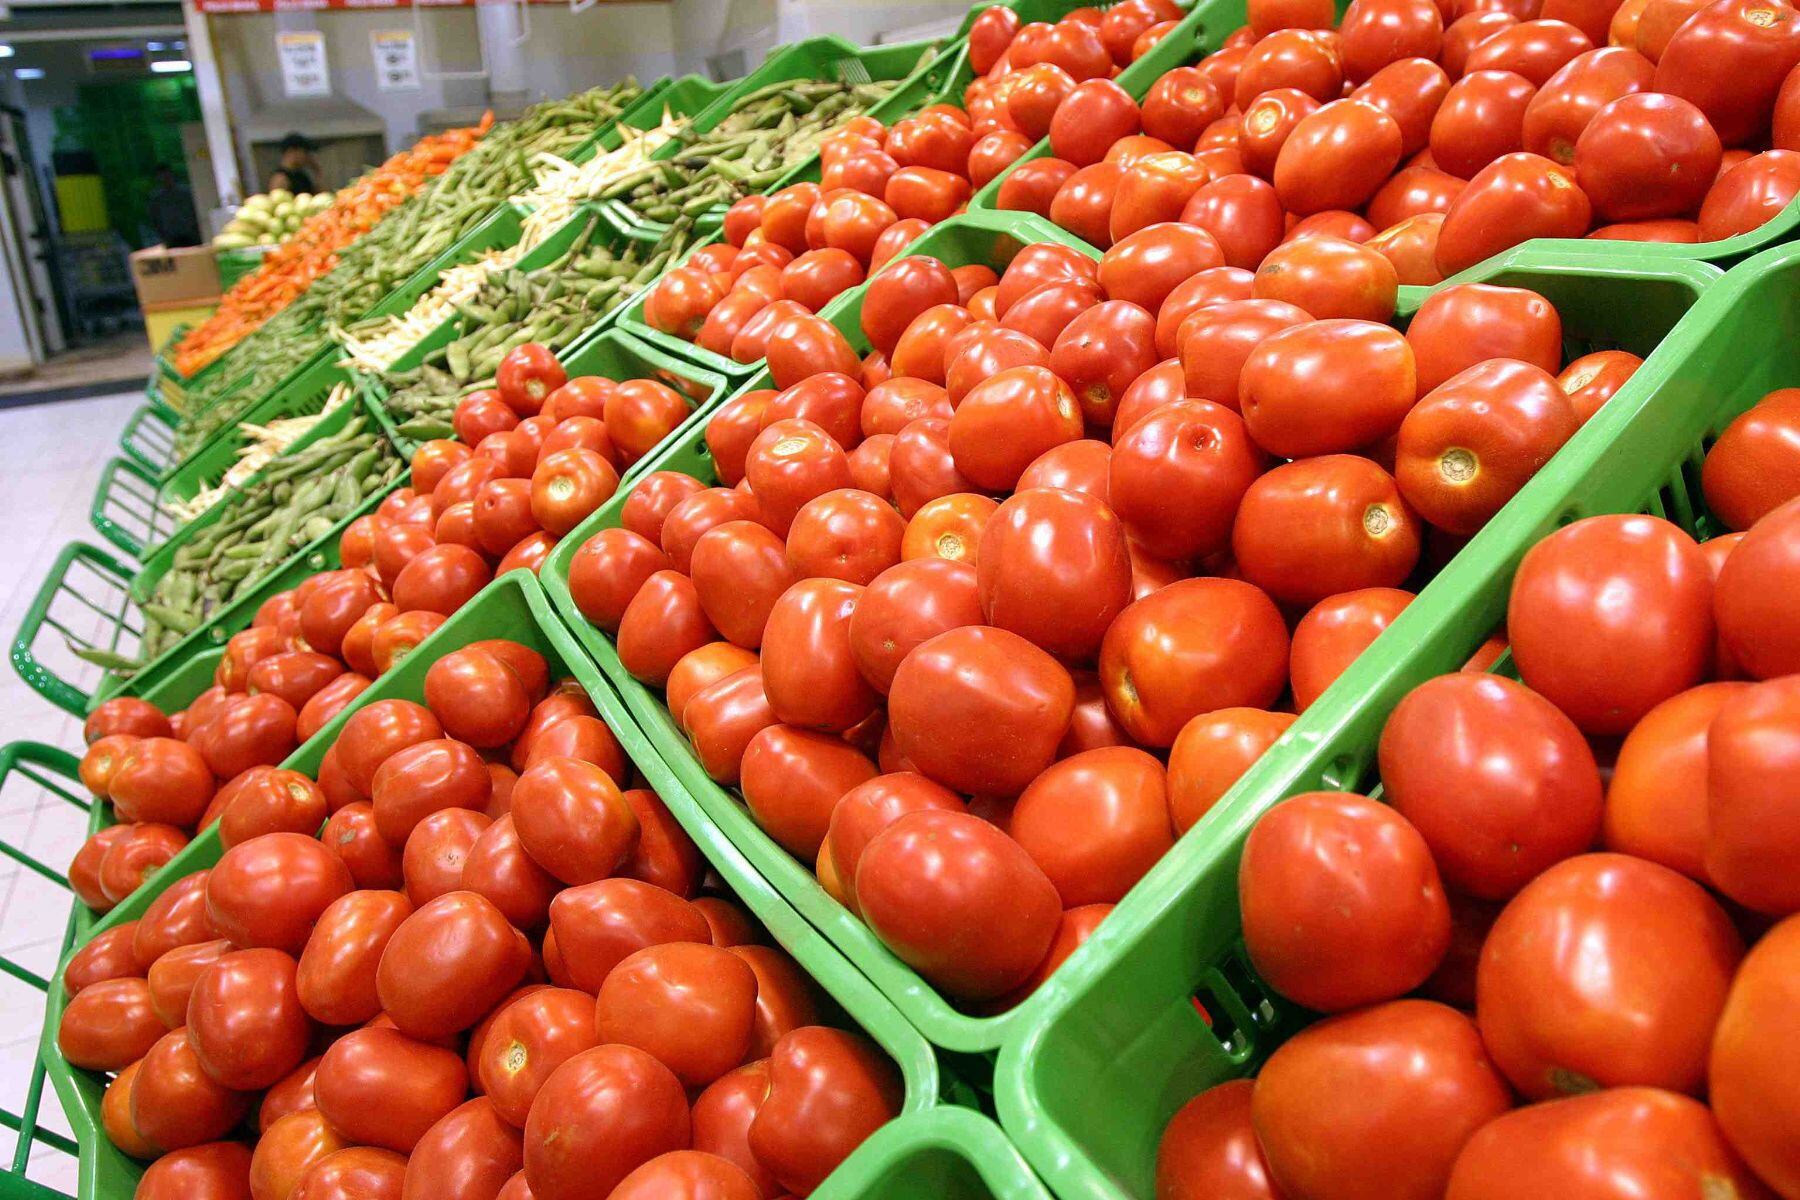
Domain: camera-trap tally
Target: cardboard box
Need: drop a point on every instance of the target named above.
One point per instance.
(163, 276)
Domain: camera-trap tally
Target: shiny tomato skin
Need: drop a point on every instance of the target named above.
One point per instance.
(250, 731)
(110, 1025)
(1210, 754)
(469, 1152)
(1154, 189)
(980, 709)
(1209, 1150)
(739, 569)
(1536, 49)
(270, 890)
(424, 779)
(1303, 60)
(598, 925)
(572, 819)
(1146, 265)
(958, 900)
(1083, 202)
(447, 964)
(1411, 192)
(1336, 157)
(1053, 568)
(792, 779)
(1117, 797)
(899, 292)
(1753, 468)
(336, 976)
(1749, 194)
(848, 534)
(828, 1090)
(1423, 1085)
(1243, 214)
(379, 1087)
(1032, 185)
(1481, 119)
(245, 1021)
(287, 1149)
(722, 1115)
(376, 732)
(1647, 156)
(1321, 526)
(1327, 387)
(212, 1171)
(356, 1173)
(907, 604)
(1656, 799)
(1498, 781)
(722, 719)
(1094, 115)
(1748, 1073)
(1217, 341)
(1621, 1142)
(1009, 420)
(1176, 477)
(809, 672)
(1476, 439)
(1364, 921)
(690, 1005)
(1409, 91)
(1729, 60)
(174, 1103)
(1605, 971)
(1102, 352)
(124, 715)
(1461, 326)
(1611, 616)
(1375, 33)
(1752, 758)
(528, 1040)
(1514, 198)
(602, 1114)
(663, 622)
(1329, 277)
(1334, 633)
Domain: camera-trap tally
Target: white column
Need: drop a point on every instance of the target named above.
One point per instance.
(217, 122)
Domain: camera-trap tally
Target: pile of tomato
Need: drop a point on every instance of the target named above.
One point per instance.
(981, 621)
(536, 455)
(1581, 892)
(469, 984)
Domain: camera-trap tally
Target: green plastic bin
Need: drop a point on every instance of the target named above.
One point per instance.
(148, 437)
(502, 229)
(829, 57)
(84, 602)
(943, 1152)
(236, 263)
(1602, 307)
(125, 510)
(1086, 1091)
(515, 607)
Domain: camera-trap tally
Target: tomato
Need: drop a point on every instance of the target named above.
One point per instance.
(1267, 124)
(250, 731)
(793, 778)
(1411, 246)
(1329, 277)
(447, 964)
(124, 861)
(1376, 33)
(907, 604)
(1302, 60)
(174, 1103)
(948, 527)
(1512, 199)
(379, 1087)
(722, 718)
(1032, 186)
(1465, 325)
(159, 779)
(432, 861)
(1476, 439)
(351, 835)
(1409, 91)
(598, 925)
(1326, 387)
(1177, 476)
(287, 1149)
(527, 375)
(1210, 754)
(1498, 781)
(124, 715)
(1646, 156)
(295, 677)
(109, 1025)
(898, 293)
(1749, 194)
(1751, 764)
(1152, 190)
(1337, 156)
(1007, 421)
(471, 1151)
(1116, 796)
(269, 890)
(1753, 468)
(1093, 116)
(356, 1173)
(739, 569)
(1414, 191)
(809, 673)
(1321, 526)
(214, 1171)
(336, 976)
(1208, 1149)
(480, 414)
(529, 1039)
(108, 956)
(1481, 119)
(175, 918)
(846, 534)
(1334, 633)
(1084, 201)
(426, 778)
(989, 36)
(1611, 616)
(981, 351)
(400, 636)
(271, 801)
(828, 1090)
(1747, 1070)
(690, 1005)
(1053, 568)
(1624, 1141)
(724, 1112)
(583, 396)
(567, 486)
(1605, 971)
(1421, 1083)
(1215, 343)
(602, 1114)
(573, 820)
(1535, 49)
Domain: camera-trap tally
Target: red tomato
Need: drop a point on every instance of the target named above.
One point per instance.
(1423, 1086)
(174, 1103)
(1032, 185)
(1481, 119)
(603, 1113)
(1209, 1149)
(1410, 91)
(1007, 421)
(845, 534)
(1321, 526)
(1072, 467)
(271, 801)
(1729, 60)
(1083, 202)
(1646, 156)
(1117, 797)
(1303, 60)
(270, 890)
(1052, 567)
(1512, 199)
(124, 715)
(1337, 156)
(1753, 468)
(1154, 189)
(598, 925)
(109, 1025)
(1243, 214)
(214, 1171)
(336, 979)
(480, 414)
(528, 1040)
(160, 779)
(1177, 476)
(528, 375)
(1212, 752)
(1611, 616)
(1623, 1141)
(688, 1004)
(379, 1087)
(1750, 193)
(1605, 971)
(572, 819)
(1747, 1071)
(1326, 387)
(1334, 632)
(907, 604)
(1656, 800)
(1459, 327)
(663, 622)
(1476, 439)
(1329, 277)
(1536, 49)
(827, 1091)
(1750, 837)
(1093, 116)
(1564, 107)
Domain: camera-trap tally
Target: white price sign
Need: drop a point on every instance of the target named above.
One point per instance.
(303, 69)
(396, 59)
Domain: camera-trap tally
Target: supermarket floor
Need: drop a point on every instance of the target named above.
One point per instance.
(50, 461)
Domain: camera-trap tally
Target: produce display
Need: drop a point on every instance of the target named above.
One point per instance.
(769, 131)
(1584, 973)
(548, 307)
(270, 218)
(312, 251)
(1044, 467)
(368, 1005)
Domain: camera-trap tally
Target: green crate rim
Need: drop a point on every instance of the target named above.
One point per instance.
(129, 540)
(79, 1090)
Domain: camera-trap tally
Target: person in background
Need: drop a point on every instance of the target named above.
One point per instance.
(299, 170)
(169, 209)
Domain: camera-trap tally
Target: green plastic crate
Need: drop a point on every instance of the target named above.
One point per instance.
(84, 601)
(148, 437)
(238, 400)
(514, 607)
(829, 57)
(125, 510)
(1086, 1092)
(236, 263)
(1602, 307)
(502, 229)
(943, 1152)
